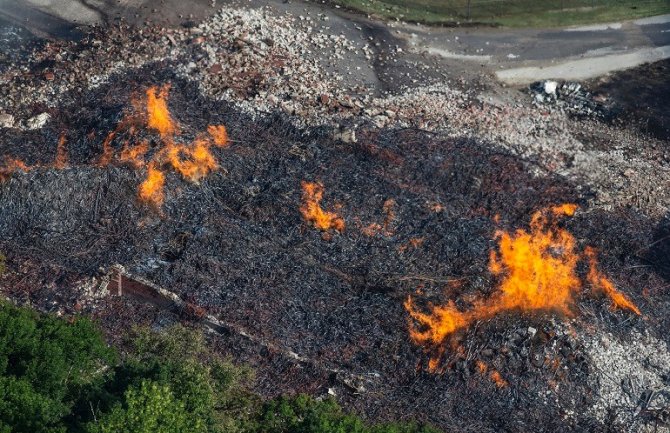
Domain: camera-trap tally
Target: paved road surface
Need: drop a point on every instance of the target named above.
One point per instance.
(516, 55)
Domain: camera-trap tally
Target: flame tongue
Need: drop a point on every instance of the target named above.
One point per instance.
(538, 271)
(151, 189)
(158, 114)
(61, 153)
(311, 209)
(603, 284)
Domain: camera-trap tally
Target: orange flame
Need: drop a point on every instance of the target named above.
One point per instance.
(497, 378)
(134, 155)
(158, 114)
(11, 166)
(493, 374)
(107, 151)
(374, 229)
(602, 283)
(538, 270)
(192, 162)
(311, 209)
(151, 189)
(61, 153)
(219, 135)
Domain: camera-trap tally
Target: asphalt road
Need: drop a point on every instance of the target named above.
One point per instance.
(515, 55)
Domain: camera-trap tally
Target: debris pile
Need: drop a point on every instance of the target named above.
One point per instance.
(539, 273)
(568, 96)
(264, 62)
(336, 215)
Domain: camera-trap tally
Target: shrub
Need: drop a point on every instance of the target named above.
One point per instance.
(303, 414)
(58, 376)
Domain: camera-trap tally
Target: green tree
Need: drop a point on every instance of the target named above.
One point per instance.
(149, 408)
(211, 389)
(46, 364)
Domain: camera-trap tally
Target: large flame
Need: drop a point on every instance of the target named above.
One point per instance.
(311, 209)
(538, 271)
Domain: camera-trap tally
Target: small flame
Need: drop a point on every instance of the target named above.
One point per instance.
(384, 229)
(311, 209)
(493, 374)
(192, 162)
(11, 166)
(134, 155)
(538, 271)
(497, 378)
(107, 151)
(218, 134)
(61, 153)
(151, 189)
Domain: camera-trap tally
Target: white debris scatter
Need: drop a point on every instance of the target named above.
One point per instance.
(630, 376)
(550, 87)
(38, 121)
(6, 120)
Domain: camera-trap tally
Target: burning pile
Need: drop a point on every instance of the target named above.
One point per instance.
(193, 161)
(538, 271)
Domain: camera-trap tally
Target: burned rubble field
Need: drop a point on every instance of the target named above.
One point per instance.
(236, 245)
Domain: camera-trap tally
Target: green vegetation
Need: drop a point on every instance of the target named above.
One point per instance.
(511, 13)
(58, 376)
(46, 364)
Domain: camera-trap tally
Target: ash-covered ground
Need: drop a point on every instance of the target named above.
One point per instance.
(423, 177)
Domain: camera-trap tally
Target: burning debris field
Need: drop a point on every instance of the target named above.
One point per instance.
(422, 255)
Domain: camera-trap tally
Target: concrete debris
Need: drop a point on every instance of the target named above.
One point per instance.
(38, 121)
(6, 120)
(630, 374)
(549, 87)
(568, 96)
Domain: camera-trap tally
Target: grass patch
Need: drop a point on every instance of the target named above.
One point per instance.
(510, 13)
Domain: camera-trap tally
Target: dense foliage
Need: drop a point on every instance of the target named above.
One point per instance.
(59, 376)
(46, 365)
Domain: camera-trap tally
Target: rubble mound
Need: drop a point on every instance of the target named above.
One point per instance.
(325, 208)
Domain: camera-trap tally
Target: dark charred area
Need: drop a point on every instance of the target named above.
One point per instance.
(420, 212)
(638, 97)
